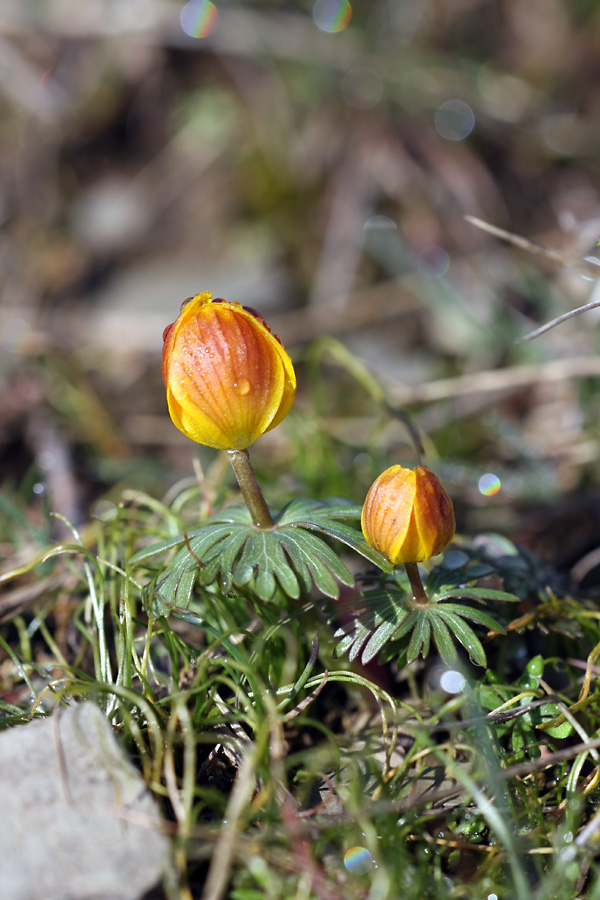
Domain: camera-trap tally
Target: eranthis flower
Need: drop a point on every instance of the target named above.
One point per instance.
(228, 378)
(407, 515)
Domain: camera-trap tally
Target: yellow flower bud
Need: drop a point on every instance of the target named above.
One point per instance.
(407, 515)
(228, 378)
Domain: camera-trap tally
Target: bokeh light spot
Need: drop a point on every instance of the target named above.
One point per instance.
(506, 97)
(402, 19)
(14, 334)
(332, 15)
(489, 484)
(563, 133)
(198, 18)
(362, 88)
(433, 262)
(453, 682)
(358, 860)
(47, 460)
(105, 510)
(454, 120)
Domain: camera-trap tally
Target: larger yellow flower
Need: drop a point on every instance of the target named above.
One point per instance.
(407, 515)
(228, 378)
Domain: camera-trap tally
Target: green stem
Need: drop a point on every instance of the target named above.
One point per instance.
(419, 595)
(251, 492)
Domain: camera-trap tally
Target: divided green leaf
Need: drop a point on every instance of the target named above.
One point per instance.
(390, 615)
(230, 550)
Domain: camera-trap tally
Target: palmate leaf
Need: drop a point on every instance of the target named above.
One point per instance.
(390, 615)
(230, 550)
(173, 588)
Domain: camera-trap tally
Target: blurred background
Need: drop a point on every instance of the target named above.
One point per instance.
(315, 160)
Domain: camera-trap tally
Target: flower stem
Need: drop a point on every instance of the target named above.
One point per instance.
(419, 595)
(251, 492)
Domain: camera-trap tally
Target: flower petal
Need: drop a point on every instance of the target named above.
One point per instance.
(407, 515)
(228, 378)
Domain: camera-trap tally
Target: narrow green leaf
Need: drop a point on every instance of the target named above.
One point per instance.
(173, 588)
(257, 559)
(317, 547)
(490, 697)
(297, 558)
(303, 511)
(347, 639)
(443, 578)
(478, 570)
(477, 594)
(546, 714)
(465, 635)
(420, 638)
(323, 579)
(339, 508)
(296, 511)
(205, 540)
(288, 580)
(205, 533)
(265, 584)
(236, 515)
(154, 549)
(443, 640)
(222, 560)
(242, 574)
(384, 604)
(321, 561)
(524, 737)
(352, 538)
(378, 639)
(406, 625)
(361, 633)
(476, 615)
(279, 563)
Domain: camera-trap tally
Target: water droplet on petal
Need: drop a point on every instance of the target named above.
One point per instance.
(242, 386)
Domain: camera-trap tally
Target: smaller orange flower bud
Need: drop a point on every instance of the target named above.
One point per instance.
(228, 378)
(408, 515)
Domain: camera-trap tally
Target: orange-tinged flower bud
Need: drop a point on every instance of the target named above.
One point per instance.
(408, 515)
(228, 378)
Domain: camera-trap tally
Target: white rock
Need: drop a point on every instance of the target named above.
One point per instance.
(76, 819)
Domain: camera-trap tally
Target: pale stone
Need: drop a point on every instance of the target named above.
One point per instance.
(76, 819)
